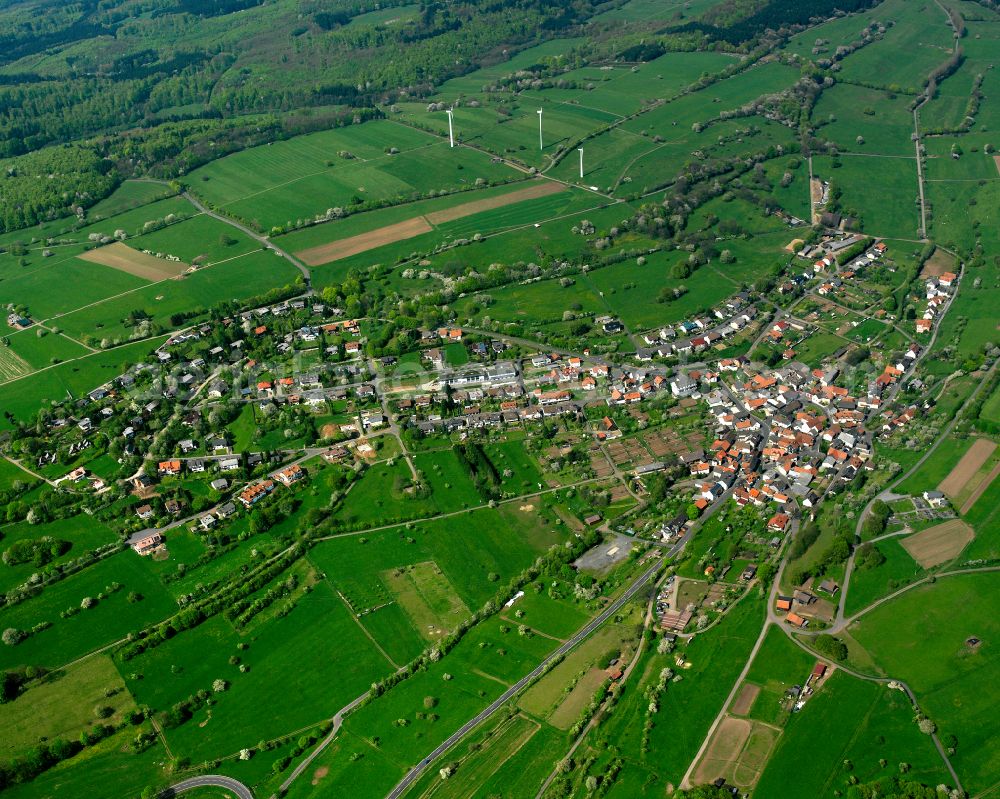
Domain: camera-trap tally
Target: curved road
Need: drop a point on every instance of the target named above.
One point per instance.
(338, 720)
(507, 695)
(235, 787)
(264, 240)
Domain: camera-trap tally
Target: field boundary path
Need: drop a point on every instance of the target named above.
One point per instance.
(209, 781)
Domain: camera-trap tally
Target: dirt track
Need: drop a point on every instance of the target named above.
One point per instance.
(125, 259)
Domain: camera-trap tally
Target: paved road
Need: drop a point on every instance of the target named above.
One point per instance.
(507, 695)
(236, 787)
(337, 720)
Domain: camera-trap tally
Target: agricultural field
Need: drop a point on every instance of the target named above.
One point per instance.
(246, 275)
(380, 162)
(938, 544)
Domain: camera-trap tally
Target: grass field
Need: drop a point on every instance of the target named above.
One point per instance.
(64, 705)
(624, 90)
(10, 474)
(525, 213)
(248, 275)
(626, 290)
(44, 287)
(548, 699)
(525, 770)
(848, 722)
(134, 262)
(972, 475)
(81, 532)
(427, 597)
(964, 211)
(844, 30)
(921, 31)
(687, 708)
(41, 351)
(109, 620)
(608, 156)
(983, 516)
(105, 771)
(921, 638)
(477, 768)
(935, 469)
(23, 397)
(285, 656)
(383, 494)
(465, 547)
(300, 178)
(778, 666)
(882, 119)
(430, 705)
(870, 584)
(892, 211)
(129, 195)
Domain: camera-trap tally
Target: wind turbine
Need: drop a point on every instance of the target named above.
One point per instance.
(451, 129)
(541, 146)
(580, 150)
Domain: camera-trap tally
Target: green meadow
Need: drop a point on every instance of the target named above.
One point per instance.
(921, 637)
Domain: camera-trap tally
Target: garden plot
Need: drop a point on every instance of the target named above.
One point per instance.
(669, 442)
(12, 365)
(627, 450)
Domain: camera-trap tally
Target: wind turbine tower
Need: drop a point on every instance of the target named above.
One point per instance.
(541, 146)
(451, 128)
(580, 150)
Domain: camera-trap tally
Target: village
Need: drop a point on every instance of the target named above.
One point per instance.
(777, 439)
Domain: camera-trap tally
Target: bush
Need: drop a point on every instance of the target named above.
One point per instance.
(833, 648)
(12, 636)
